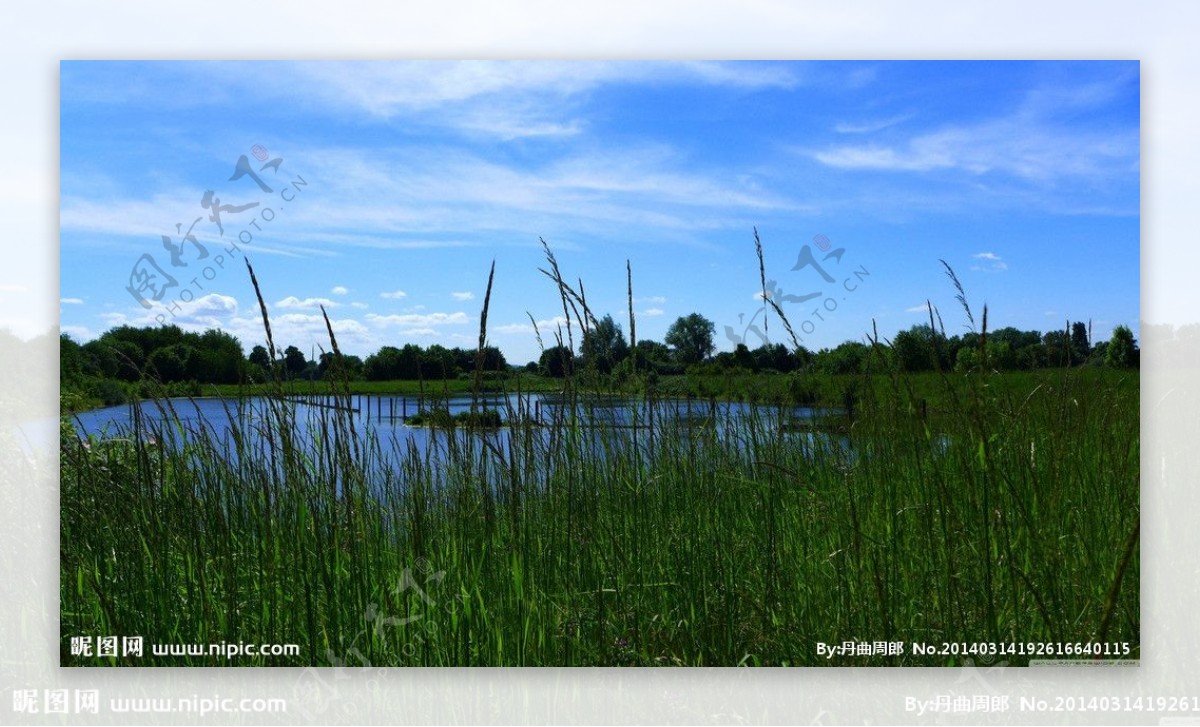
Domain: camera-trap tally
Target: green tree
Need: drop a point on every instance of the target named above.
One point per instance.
(604, 346)
(557, 361)
(1057, 345)
(1122, 351)
(294, 362)
(348, 367)
(100, 359)
(778, 357)
(967, 359)
(691, 337)
(743, 359)
(383, 365)
(217, 358)
(849, 357)
(129, 357)
(650, 352)
(170, 363)
(437, 363)
(260, 357)
(493, 359)
(71, 359)
(917, 348)
(1000, 356)
(1080, 346)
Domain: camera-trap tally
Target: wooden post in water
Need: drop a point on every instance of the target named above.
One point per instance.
(404, 407)
(392, 409)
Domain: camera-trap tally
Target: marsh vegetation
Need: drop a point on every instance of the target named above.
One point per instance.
(965, 505)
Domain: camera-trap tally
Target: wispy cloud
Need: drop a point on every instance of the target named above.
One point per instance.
(70, 301)
(1009, 147)
(867, 127)
(138, 223)
(1032, 142)
(388, 89)
(434, 196)
(339, 290)
(917, 309)
(394, 295)
(993, 263)
(464, 295)
(652, 312)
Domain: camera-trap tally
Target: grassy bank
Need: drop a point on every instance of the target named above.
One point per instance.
(957, 509)
(963, 508)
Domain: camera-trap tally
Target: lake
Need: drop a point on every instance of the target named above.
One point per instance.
(385, 417)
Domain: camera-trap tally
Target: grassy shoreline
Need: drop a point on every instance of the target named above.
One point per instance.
(561, 547)
(956, 508)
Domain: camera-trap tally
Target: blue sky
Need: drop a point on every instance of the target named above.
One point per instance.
(1024, 176)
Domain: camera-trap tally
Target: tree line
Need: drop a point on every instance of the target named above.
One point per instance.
(689, 346)
(169, 355)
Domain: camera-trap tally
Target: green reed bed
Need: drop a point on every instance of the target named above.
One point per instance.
(719, 540)
(950, 508)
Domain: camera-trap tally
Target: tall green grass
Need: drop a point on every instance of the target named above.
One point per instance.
(1005, 511)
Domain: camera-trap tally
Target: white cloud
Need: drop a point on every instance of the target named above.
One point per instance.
(207, 311)
(465, 295)
(424, 320)
(917, 309)
(70, 301)
(212, 305)
(339, 290)
(995, 263)
(652, 312)
(657, 299)
(546, 326)
(80, 334)
(359, 305)
(394, 295)
(293, 302)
